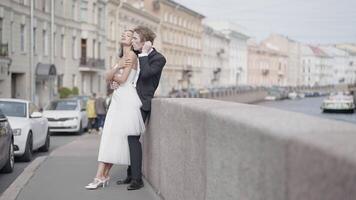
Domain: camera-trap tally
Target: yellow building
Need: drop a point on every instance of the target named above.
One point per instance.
(181, 32)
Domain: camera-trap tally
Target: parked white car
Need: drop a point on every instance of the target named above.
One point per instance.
(338, 102)
(29, 127)
(66, 115)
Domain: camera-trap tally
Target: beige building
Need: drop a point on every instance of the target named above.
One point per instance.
(215, 70)
(266, 66)
(292, 49)
(67, 47)
(181, 32)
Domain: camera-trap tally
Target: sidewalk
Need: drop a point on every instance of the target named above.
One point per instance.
(68, 169)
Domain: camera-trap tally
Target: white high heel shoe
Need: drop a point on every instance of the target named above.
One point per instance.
(97, 183)
(107, 181)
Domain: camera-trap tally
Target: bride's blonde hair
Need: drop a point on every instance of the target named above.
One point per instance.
(121, 53)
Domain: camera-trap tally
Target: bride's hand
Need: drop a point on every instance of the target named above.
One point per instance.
(114, 85)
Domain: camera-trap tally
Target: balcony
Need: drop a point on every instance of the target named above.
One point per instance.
(4, 50)
(91, 64)
(265, 72)
(5, 61)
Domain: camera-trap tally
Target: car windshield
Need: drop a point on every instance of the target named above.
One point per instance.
(63, 105)
(13, 109)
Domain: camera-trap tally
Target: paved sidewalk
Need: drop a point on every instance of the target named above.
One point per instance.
(67, 170)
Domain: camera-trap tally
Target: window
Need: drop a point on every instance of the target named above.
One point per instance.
(55, 44)
(165, 17)
(63, 46)
(94, 47)
(83, 10)
(100, 13)
(45, 43)
(94, 13)
(99, 82)
(34, 40)
(1, 25)
(44, 5)
(74, 10)
(99, 49)
(63, 8)
(74, 80)
(74, 54)
(22, 38)
(12, 37)
(112, 30)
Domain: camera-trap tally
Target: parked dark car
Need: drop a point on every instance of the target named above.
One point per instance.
(7, 148)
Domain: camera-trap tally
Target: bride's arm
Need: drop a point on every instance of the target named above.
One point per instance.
(110, 73)
(129, 63)
(115, 68)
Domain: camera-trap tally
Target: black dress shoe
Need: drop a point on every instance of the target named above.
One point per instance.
(135, 184)
(125, 181)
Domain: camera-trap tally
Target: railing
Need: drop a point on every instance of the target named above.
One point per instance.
(221, 150)
(92, 63)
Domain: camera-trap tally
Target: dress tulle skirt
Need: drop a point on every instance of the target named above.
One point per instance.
(123, 119)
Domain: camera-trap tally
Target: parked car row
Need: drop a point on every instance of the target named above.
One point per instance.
(66, 115)
(7, 147)
(24, 129)
(30, 128)
(211, 92)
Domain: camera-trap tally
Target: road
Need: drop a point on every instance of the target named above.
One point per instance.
(310, 106)
(57, 140)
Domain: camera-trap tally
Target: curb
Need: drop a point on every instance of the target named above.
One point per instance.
(15, 188)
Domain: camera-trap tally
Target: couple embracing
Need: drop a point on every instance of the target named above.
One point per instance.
(134, 78)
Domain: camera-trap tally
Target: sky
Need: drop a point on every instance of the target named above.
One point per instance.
(309, 21)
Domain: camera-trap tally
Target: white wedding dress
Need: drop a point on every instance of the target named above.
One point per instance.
(123, 119)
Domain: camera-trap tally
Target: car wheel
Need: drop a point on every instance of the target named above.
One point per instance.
(45, 147)
(80, 131)
(27, 156)
(9, 166)
(86, 127)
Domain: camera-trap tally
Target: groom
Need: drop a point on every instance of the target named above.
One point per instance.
(151, 65)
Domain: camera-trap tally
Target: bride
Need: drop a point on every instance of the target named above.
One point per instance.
(123, 117)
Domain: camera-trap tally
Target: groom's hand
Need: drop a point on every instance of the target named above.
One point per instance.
(147, 47)
(128, 62)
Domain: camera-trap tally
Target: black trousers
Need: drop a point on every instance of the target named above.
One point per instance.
(134, 171)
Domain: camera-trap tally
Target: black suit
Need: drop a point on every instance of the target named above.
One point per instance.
(151, 67)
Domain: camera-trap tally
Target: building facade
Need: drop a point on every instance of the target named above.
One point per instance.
(215, 68)
(351, 63)
(316, 66)
(237, 51)
(62, 45)
(266, 66)
(292, 49)
(181, 31)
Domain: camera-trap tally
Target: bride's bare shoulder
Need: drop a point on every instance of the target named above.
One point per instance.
(132, 54)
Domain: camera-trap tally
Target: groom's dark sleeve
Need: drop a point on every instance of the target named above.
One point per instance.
(150, 69)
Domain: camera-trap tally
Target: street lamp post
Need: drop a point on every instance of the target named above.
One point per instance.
(32, 71)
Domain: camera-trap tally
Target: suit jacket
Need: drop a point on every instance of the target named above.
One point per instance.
(151, 67)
